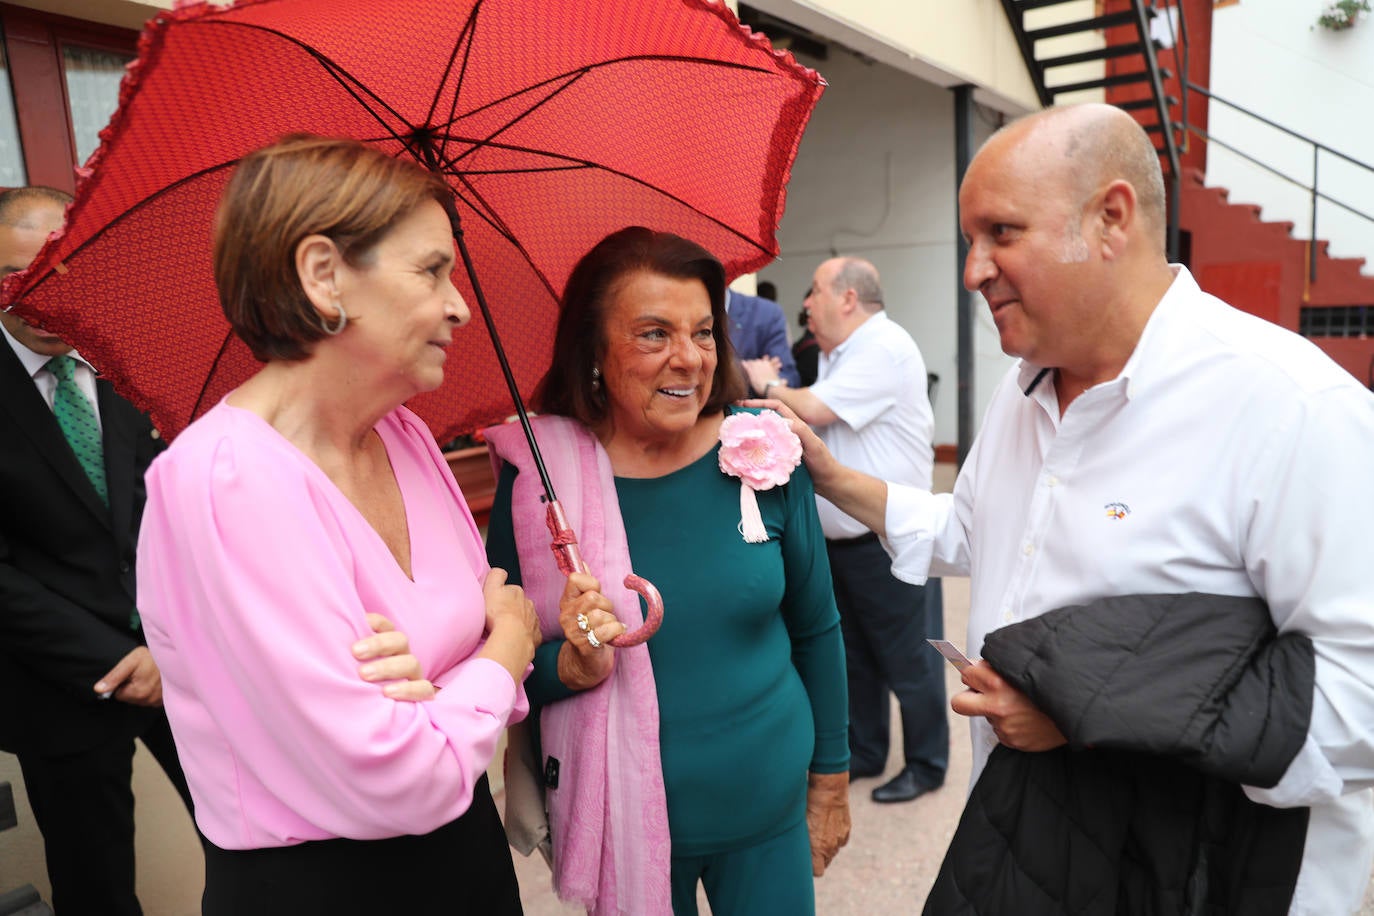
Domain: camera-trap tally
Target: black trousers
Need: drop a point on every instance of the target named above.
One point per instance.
(84, 806)
(463, 867)
(886, 623)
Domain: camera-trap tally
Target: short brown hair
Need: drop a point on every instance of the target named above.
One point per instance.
(567, 387)
(304, 185)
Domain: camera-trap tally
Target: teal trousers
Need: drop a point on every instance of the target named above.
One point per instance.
(772, 878)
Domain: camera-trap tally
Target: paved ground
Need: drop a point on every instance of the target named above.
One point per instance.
(894, 851)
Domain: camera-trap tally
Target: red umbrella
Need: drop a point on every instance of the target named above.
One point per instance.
(554, 121)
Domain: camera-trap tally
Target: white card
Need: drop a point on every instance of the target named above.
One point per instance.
(951, 653)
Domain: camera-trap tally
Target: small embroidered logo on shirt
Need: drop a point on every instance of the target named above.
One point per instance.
(1117, 511)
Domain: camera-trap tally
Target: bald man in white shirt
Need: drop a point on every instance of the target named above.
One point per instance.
(1152, 440)
(869, 404)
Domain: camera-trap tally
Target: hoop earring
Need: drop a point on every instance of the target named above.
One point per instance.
(339, 323)
(596, 379)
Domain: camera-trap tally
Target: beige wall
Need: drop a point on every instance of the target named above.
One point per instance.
(944, 42)
(124, 13)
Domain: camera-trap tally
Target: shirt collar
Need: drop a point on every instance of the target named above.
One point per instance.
(1149, 349)
(873, 324)
(34, 362)
(1152, 350)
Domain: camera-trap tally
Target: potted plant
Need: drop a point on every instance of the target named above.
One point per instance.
(1342, 14)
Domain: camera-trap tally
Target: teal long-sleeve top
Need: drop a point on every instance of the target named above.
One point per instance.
(749, 662)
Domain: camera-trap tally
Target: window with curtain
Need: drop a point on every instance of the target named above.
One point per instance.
(93, 77)
(12, 173)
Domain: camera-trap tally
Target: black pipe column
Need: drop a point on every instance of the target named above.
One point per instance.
(963, 153)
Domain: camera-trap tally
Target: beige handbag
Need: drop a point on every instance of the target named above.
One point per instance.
(527, 818)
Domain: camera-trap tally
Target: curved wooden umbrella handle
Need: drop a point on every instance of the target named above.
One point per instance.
(653, 617)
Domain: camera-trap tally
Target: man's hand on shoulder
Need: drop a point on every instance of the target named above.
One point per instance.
(763, 373)
(764, 379)
(134, 680)
(855, 492)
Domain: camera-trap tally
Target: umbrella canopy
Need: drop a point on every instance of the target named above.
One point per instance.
(554, 121)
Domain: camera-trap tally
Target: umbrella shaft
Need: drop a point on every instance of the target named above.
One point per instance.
(500, 353)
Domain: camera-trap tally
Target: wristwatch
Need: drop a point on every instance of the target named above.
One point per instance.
(769, 385)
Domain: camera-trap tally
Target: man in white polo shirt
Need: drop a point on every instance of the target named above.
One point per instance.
(869, 404)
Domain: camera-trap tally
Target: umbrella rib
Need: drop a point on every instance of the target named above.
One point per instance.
(478, 144)
(527, 171)
(630, 58)
(571, 78)
(335, 70)
(463, 44)
(450, 164)
(145, 201)
(488, 216)
(214, 364)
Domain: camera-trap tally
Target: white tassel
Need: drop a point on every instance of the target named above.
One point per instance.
(750, 522)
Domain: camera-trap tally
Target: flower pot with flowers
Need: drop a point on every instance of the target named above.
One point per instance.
(1342, 14)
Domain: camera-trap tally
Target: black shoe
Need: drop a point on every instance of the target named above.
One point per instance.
(903, 787)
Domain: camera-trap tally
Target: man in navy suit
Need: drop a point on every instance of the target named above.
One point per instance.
(758, 329)
(79, 682)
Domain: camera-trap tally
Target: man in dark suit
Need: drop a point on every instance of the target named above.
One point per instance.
(758, 329)
(79, 682)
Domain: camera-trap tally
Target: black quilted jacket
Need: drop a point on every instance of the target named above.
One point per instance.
(1169, 703)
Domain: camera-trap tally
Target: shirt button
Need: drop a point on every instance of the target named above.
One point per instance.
(1053, 481)
(1006, 617)
(1028, 549)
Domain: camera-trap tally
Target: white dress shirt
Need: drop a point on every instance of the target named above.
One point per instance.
(1230, 456)
(36, 365)
(875, 382)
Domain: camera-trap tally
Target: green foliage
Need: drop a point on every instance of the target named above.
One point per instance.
(1342, 14)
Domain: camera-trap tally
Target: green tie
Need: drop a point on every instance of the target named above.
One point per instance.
(76, 417)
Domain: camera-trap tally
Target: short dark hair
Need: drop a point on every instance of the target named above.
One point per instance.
(566, 389)
(304, 185)
(16, 200)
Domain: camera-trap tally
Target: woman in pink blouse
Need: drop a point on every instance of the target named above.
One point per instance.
(306, 510)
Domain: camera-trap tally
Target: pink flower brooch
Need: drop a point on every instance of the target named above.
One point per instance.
(761, 450)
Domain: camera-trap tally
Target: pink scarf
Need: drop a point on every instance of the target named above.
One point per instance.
(608, 817)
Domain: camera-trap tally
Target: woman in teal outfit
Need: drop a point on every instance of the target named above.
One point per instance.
(748, 667)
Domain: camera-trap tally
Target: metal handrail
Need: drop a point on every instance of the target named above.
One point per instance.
(1317, 150)
(1203, 90)
(1181, 68)
(1269, 168)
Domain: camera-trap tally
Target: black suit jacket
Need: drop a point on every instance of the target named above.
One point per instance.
(66, 570)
